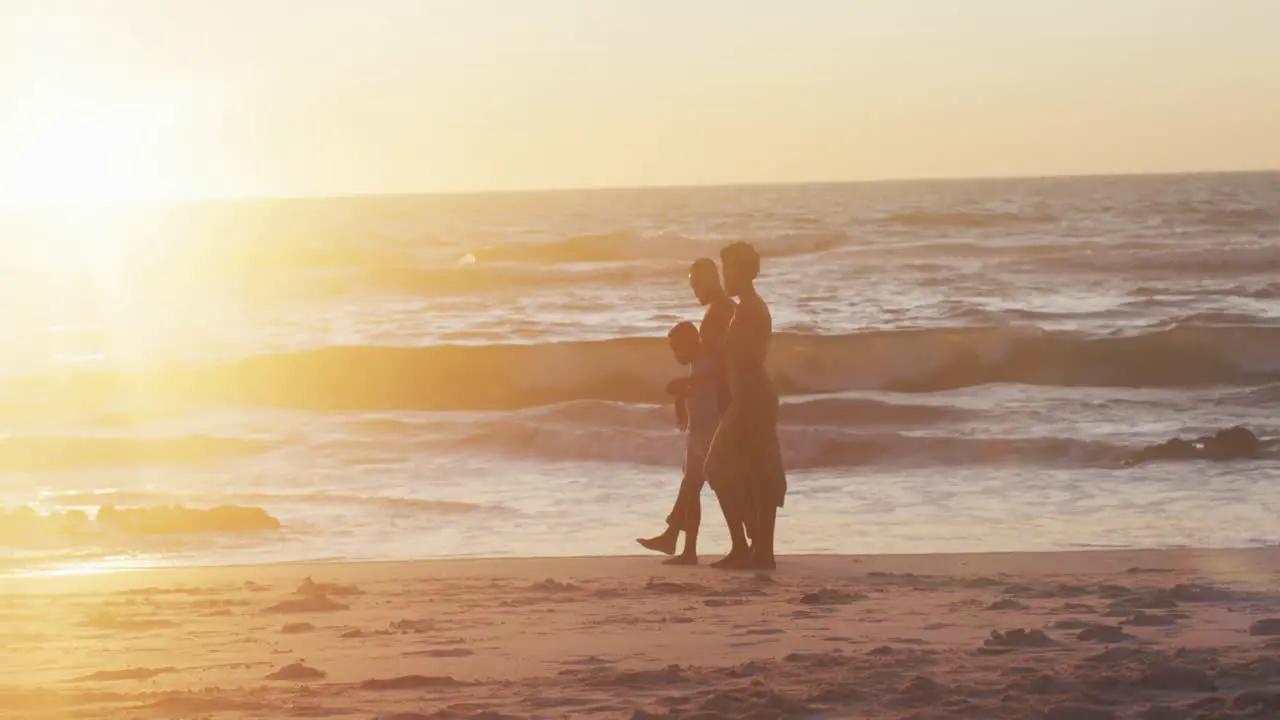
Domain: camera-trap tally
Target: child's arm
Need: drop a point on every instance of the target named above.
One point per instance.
(682, 413)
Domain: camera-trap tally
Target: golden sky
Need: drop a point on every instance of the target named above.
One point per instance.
(122, 99)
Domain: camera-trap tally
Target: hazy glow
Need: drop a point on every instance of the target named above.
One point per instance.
(105, 100)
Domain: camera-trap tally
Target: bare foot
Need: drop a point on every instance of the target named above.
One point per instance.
(735, 560)
(681, 560)
(664, 543)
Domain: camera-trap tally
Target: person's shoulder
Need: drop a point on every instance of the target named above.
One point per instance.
(722, 307)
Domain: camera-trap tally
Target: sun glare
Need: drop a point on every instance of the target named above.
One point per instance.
(77, 158)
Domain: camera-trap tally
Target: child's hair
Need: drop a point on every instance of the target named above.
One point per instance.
(686, 331)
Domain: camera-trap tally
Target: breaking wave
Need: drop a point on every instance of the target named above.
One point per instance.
(803, 448)
(636, 370)
(626, 245)
(965, 220)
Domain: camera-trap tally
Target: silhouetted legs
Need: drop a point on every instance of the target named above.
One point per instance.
(685, 515)
(735, 516)
(762, 541)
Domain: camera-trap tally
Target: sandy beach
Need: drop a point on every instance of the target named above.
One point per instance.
(1066, 636)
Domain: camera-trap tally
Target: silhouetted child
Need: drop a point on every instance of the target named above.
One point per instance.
(697, 401)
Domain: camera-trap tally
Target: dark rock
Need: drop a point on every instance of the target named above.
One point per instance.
(1234, 443)
(1006, 604)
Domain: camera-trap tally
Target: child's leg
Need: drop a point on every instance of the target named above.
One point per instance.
(677, 520)
(690, 502)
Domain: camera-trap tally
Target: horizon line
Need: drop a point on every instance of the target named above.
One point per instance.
(367, 195)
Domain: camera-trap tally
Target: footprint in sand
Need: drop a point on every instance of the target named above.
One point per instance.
(307, 604)
(443, 652)
(129, 674)
(1142, 619)
(297, 672)
(1019, 638)
(1006, 604)
(1105, 634)
(411, 682)
(311, 587)
(829, 596)
(589, 661)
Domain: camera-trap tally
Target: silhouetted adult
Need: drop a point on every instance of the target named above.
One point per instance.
(686, 513)
(744, 463)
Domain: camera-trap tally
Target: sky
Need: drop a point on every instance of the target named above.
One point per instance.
(104, 100)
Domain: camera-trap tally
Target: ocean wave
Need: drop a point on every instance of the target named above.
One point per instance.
(627, 245)
(1227, 217)
(804, 448)
(807, 412)
(1219, 318)
(968, 220)
(1255, 291)
(1215, 261)
(480, 278)
(636, 370)
(63, 452)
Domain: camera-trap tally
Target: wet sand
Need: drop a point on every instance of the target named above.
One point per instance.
(1065, 636)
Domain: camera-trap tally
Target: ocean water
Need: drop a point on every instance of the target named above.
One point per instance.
(965, 367)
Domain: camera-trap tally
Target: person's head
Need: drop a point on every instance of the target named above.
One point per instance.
(741, 265)
(704, 280)
(684, 342)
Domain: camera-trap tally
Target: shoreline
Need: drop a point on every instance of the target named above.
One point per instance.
(833, 565)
